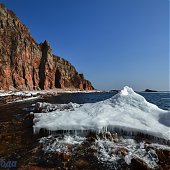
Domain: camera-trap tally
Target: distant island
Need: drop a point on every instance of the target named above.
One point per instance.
(149, 90)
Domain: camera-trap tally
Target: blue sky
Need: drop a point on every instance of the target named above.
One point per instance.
(113, 42)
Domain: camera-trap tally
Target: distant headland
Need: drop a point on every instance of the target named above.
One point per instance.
(149, 90)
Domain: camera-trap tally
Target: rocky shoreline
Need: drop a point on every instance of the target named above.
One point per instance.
(22, 96)
(18, 143)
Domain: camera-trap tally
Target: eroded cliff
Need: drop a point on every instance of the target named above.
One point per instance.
(26, 65)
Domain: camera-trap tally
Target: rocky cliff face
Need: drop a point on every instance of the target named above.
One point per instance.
(26, 65)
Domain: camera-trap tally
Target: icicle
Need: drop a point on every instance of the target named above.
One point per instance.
(36, 130)
(75, 133)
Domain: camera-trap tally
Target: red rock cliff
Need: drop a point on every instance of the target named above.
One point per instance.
(26, 65)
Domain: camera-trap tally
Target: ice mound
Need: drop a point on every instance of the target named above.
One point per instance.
(126, 111)
(128, 98)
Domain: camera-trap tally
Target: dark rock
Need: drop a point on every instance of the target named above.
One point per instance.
(139, 164)
(164, 157)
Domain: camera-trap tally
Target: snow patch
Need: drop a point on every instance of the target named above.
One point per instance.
(22, 93)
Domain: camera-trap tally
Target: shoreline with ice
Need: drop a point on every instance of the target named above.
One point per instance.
(51, 91)
(127, 111)
(24, 96)
(70, 148)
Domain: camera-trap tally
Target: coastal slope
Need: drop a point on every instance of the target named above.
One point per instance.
(27, 65)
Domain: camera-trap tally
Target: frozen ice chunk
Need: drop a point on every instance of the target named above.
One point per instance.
(48, 107)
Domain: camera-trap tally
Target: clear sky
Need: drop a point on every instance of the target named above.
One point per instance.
(113, 42)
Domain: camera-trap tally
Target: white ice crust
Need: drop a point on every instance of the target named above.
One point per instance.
(126, 110)
(21, 93)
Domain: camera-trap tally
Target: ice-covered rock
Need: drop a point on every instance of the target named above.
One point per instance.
(124, 151)
(60, 143)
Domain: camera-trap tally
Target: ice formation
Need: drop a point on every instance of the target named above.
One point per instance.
(48, 107)
(110, 150)
(126, 149)
(60, 143)
(127, 111)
